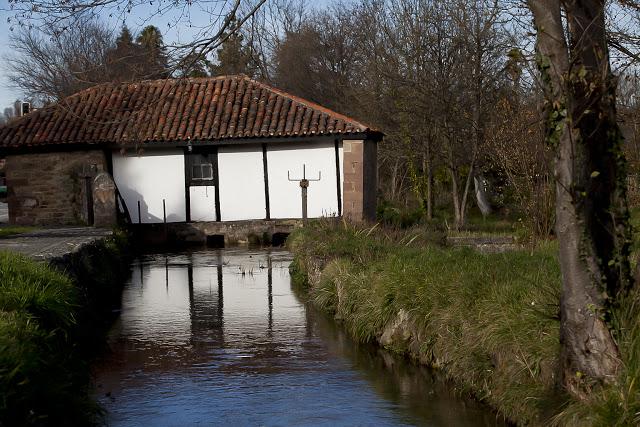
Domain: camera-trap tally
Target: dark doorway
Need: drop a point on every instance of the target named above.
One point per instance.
(279, 239)
(215, 241)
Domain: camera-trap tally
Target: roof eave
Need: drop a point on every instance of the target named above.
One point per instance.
(82, 146)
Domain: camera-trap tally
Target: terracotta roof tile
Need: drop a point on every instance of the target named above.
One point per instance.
(199, 109)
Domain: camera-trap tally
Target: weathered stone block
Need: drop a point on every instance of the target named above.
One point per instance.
(104, 201)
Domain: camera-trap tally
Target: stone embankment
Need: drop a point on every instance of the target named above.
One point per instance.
(96, 259)
(53, 323)
(55, 243)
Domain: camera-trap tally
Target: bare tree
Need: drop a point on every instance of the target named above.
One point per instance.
(224, 18)
(49, 67)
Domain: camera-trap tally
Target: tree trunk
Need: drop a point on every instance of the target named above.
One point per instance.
(394, 179)
(429, 188)
(427, 170)
(455, 194)
(465, 194)
(591, 208)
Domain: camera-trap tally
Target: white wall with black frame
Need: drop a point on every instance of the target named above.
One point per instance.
(286, 161)
(241, 181)
(202, 187)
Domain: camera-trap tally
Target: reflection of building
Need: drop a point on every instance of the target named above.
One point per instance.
(211, 149)
(209, 301)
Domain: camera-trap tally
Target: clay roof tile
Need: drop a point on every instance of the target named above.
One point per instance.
(175, 110)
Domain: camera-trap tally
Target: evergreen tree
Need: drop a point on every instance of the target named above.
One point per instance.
(194, 65)
(155, 58)
(233, 57)
(125, 39)
(125, 58)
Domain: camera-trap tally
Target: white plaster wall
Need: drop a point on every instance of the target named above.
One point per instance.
(150, 178)
(341, 159)
(241, 175)
(202, 202)
(285, 196)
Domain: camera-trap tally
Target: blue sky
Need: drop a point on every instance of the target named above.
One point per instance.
(7, 95)
(136, 20)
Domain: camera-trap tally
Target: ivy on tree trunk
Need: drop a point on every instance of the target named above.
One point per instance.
(592, 218)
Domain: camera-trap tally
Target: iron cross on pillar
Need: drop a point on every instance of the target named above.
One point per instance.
(304, 184)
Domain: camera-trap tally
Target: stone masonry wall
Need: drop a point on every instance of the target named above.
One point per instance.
(49, 188)
(352, 203)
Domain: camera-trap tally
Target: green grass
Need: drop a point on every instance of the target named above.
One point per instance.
(13, 230)
(37, 380)
(489, 321)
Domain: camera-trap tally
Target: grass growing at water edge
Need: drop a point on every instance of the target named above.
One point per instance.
(38, 371)
(489, 321)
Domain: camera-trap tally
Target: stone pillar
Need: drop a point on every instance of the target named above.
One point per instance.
(353, 167)
(360, 180)
(104, 201)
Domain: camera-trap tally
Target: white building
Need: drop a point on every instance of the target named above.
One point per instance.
(190, 150)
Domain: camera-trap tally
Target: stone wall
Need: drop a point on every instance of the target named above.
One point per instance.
(360, 180)
(353, 156)
(231, 233)
(50, 188)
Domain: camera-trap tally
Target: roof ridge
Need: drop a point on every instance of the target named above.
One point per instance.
(310, 104)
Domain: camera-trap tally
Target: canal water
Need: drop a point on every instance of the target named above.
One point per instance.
(220, 337)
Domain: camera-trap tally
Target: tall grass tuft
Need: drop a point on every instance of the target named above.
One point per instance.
(489, 321)
(38, 368)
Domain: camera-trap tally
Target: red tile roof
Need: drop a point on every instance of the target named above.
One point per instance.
(196, 109)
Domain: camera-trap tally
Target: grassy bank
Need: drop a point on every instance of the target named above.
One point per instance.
(37, 317)
(12, 230)
(49, 324)
(489, 321)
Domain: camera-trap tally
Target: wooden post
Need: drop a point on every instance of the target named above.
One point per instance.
(88, 191)
(164, 219)
(304, 184)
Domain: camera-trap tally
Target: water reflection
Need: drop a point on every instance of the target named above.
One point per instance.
(219, 336)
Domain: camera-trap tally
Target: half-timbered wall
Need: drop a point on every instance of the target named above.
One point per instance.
(285, 195)
(241, 181)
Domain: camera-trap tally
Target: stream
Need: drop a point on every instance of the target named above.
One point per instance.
(219, 337)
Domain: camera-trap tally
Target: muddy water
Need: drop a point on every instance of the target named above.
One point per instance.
(219, 337)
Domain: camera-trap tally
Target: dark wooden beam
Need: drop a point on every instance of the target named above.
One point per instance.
(338, 183)
(265, 168)
(187, 195)
(216, 171)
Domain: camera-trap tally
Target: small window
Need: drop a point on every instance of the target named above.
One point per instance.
(202, 172)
